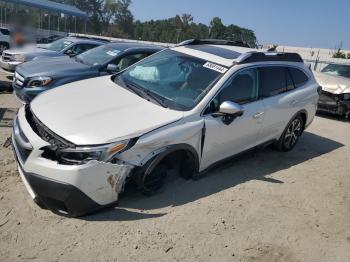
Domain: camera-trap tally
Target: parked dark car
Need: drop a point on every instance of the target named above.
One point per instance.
(34, 77)
(49, 39)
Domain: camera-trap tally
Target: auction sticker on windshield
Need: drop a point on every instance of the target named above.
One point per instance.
(215, 67)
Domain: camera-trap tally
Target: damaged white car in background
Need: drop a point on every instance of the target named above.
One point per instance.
(335, 96)
(181, 110)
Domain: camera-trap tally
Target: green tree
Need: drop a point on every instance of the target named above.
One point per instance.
(217, 29)
(124, 18)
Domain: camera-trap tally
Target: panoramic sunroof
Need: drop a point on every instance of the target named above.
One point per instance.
(215, 50)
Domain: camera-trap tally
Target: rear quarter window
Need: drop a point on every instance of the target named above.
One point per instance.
(299, 77)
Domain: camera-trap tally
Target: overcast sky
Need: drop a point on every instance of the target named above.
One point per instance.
(307, 23)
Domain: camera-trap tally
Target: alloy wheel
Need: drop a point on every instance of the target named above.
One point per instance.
(294, 130)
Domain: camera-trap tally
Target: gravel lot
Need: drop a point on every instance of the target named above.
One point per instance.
(263, 206)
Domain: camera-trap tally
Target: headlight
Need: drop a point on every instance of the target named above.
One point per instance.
(82, 155)
(19, 58)
(40, 81)
(346, 96)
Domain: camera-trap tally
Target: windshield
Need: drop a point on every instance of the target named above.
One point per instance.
(179, 79)
(99, 55)
(59, 45)
(338, 70)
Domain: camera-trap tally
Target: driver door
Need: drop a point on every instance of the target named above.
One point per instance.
(223, 140)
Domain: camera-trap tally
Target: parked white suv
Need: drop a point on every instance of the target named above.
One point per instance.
(182, 109)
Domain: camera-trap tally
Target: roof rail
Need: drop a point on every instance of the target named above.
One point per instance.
(90, 38)
(252, 57)
(213, 42)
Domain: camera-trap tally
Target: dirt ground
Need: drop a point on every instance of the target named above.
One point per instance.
(263, 206)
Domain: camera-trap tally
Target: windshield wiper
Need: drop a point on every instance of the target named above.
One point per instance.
(142, 92)
(156, 98)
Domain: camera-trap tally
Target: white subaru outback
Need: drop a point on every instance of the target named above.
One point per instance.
(182, 109)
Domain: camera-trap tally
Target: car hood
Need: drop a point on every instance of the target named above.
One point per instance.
(32, 51)
(53, 66)
(98, 111)
(332, 83)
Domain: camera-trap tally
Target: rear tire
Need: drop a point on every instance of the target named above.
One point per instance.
(291, 134)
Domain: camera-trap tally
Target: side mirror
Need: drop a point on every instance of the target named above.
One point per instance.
(230, 108)
(112, 68)
(229, 111)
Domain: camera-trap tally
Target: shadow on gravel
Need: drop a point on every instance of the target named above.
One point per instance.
(254, 165)
(120, 214)
(5, 87)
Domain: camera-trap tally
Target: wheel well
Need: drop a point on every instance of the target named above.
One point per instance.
(181, 160)
(181, 155)
(304, 117)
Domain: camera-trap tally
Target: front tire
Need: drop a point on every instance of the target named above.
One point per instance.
(291, 134)
(153, 182)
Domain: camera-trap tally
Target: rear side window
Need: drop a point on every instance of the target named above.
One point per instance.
(273, 80)
(299, 77)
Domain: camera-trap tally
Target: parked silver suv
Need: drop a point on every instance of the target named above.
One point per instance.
(182, 109)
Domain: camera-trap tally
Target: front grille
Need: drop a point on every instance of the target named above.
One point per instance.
(21, 143)
(45, 133)
(18, 80)
(6, 57)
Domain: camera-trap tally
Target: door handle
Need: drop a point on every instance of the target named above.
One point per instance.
(258, 115)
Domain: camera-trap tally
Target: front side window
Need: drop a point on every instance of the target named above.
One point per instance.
(80, 48)
(59, 45)
(241, 89)
(129, 60)
(338, 70)
(180, 80)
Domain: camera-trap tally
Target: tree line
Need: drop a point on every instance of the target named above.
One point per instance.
(114, 18)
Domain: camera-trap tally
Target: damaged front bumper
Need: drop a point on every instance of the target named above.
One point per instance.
(334, 103)
(70, 190)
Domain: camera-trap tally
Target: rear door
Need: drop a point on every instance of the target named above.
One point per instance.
(280, 100)
(223, 140)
